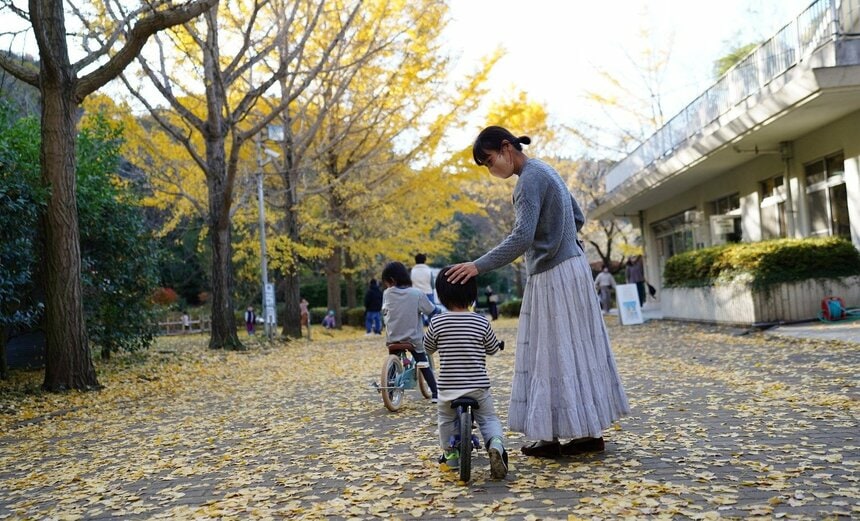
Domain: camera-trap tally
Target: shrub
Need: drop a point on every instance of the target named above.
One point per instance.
(510, 308)
(354, 317)
(317, 315)
(164, 297)
(764, 263)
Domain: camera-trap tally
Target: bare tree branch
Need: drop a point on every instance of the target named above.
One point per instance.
(19, 69)
(141, 32)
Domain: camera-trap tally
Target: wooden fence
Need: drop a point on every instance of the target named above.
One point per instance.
(199, 325)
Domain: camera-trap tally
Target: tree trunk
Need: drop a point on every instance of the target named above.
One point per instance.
(332, 275)
(519, 280)
(224, 334)
(350, 282)
(292, 297)
(68, 364)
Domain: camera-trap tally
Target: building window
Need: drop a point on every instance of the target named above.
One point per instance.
(726, 205)
(674, 235)
(827, 197)
(773, 224)
(725, 219)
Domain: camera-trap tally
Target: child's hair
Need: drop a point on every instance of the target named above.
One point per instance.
(397, 273)
(455, 295)
(420, 258)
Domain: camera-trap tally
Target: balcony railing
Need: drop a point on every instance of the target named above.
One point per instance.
(815, 26)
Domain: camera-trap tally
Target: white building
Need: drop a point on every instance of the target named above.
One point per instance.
(772, 149)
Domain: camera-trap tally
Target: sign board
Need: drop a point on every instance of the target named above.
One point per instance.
(722, 224)
(628, 304)
(270, 304)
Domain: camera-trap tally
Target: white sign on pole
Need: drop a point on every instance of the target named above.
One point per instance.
(270, 304)
(628, 304)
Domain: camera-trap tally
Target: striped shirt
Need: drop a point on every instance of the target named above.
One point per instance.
(463, 340)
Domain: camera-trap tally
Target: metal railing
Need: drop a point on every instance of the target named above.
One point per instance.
(815, 26)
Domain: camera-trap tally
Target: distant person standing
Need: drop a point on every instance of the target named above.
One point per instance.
(634, 273)
(186, 322)
(422, 277)
(373, 309)
(492, 302)
(604, 282)
(250, 320)
(422, 280)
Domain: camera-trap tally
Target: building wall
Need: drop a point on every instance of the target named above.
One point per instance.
(841, 135)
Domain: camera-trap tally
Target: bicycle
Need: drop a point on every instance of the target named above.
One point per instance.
(400, 372)
(464, 424)
(465, 441)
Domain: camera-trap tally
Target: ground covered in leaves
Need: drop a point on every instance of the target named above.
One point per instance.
(722, 426)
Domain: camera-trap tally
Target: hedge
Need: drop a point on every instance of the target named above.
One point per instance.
(764, 263)
(510, 308)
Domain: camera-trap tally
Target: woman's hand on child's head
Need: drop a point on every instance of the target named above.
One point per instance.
(462, 272)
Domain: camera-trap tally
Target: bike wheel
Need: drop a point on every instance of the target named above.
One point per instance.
(423, 385)
(465, 445)
(391, 370)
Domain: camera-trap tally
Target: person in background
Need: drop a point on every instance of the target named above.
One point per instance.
(634, 273)
(329, 321)
(492, 302)
(402, 309)
(304, 313)
(422, 277)
(186, 322)
(373, 309)
(250, 320)
(565, 382)
(605, 282)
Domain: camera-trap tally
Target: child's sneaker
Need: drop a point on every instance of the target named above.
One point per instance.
(498, 459)
(451, 459)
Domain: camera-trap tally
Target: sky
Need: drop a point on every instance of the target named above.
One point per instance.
(555, 47)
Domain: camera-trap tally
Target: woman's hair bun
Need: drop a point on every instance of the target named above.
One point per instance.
(525, 140)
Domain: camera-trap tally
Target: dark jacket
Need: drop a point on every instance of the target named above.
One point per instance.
(373, 299)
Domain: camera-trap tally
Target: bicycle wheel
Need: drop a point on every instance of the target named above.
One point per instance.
(392, 397)
(423, 385)
(465, 445)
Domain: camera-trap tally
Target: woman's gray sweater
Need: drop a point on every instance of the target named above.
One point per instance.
(547, 219)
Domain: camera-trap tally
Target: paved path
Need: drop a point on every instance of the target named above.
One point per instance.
(723, 426)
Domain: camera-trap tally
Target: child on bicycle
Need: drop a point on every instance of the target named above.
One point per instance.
(463, 339)
(402, 306)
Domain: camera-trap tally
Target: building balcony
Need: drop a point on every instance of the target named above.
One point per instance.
(805, 76)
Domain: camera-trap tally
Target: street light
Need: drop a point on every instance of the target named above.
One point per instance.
(269, 314)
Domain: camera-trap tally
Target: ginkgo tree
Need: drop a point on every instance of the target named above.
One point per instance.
(205, 76)
(365, 146)
(63, 85)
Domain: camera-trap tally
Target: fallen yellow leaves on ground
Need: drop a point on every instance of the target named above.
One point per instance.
(722, 426)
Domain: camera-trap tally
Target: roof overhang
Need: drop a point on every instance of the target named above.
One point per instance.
(793, 105)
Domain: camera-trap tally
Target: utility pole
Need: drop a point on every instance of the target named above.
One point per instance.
(269, 321)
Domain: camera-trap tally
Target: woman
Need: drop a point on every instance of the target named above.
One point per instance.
(565, 382)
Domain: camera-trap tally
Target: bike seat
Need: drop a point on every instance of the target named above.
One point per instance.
(398, 347)
(465, 402)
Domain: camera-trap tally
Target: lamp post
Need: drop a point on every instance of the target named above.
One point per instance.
(269, 314)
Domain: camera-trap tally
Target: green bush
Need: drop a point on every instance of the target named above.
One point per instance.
(317, 315)
(510, 308)
(354, 317)
(764, 263)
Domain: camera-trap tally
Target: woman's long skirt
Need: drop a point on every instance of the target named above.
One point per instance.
(565, 381)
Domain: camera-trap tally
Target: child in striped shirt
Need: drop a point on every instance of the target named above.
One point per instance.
(463, 339)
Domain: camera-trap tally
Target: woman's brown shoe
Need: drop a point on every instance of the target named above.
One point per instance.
(542, 450)
(583, 446)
